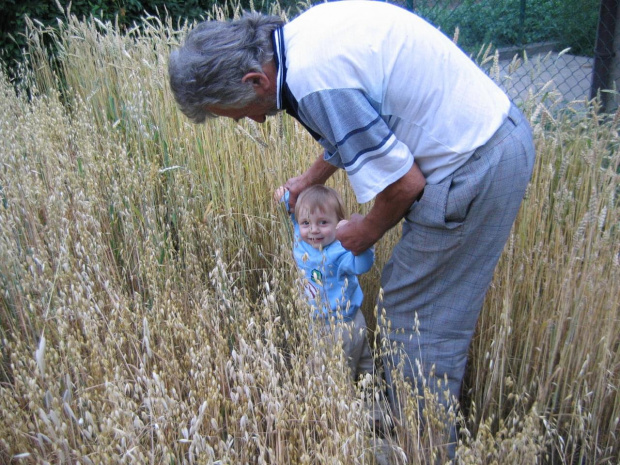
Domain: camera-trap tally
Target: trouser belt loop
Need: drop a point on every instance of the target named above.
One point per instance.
(514, 114)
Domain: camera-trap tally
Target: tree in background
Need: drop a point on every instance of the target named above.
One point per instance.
(126, 12)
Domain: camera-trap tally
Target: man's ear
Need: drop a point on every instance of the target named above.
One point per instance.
(260, 82)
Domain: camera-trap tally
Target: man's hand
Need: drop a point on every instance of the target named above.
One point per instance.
(357, 234)
(295, 186)
(318, 173)
(361, 232)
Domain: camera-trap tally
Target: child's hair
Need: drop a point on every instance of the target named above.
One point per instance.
(319, 197)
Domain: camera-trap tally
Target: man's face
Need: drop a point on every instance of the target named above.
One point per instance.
(258, 110)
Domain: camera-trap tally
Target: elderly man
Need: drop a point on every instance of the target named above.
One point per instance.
(417, 126)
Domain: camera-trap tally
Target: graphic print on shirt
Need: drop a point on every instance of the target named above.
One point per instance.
(317, 277)
(311, 286)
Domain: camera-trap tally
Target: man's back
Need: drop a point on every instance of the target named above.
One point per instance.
(428, 92)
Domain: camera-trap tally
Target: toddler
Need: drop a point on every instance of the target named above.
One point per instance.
(330, 272)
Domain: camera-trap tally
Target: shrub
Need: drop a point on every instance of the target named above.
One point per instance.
(125, 13)
(513, 22)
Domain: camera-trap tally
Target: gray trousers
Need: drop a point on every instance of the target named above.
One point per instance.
(354, 339)
(436, 279)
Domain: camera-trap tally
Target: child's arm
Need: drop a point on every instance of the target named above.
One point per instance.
(279, 195)
(364, 261)
(356, 264)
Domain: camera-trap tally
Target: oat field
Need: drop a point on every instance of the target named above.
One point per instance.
(149, 312)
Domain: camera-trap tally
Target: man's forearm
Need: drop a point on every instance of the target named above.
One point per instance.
(362, 232)
(393, 202)
(320, 171)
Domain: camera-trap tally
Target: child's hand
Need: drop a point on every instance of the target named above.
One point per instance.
(341, 223)
(279, 193)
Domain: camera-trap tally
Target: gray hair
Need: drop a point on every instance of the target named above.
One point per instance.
(208, 68)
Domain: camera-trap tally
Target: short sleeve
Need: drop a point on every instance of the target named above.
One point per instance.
(357, 139)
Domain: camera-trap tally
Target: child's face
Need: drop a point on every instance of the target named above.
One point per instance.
(318, 228)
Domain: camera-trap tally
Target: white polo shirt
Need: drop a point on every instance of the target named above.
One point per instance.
(379, 87)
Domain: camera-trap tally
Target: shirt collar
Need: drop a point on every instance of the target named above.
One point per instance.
(285, 100)
(278, 48)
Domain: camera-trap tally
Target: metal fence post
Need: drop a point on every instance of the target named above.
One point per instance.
(522, 26)
(604, 51)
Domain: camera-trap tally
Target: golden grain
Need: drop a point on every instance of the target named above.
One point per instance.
(150, 310)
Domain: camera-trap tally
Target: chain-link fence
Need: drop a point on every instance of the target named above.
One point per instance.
(546, 49)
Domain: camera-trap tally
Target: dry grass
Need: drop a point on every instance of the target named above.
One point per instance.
(149, 312)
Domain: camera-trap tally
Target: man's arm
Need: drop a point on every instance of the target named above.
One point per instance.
(318, 173)
(362, 232)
